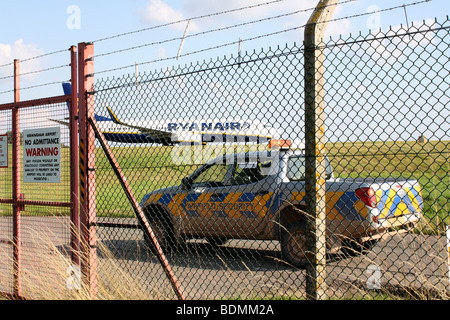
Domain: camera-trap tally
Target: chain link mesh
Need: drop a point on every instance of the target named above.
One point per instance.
(45, 218)
(235, 227)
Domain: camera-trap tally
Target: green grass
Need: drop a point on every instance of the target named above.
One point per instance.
(426, 162)
(151, 168)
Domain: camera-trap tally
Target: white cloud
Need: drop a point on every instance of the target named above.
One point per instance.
(338, 27)
(158, 12)
(5, 53)
(296, 12)
(19, 50)
(201, 7)
(161, 53)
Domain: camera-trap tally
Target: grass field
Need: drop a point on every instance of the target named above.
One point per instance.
(151, 168)
(428, 162)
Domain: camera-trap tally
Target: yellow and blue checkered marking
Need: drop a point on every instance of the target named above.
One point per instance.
(339, 205)
(248, 205)
(392, 203)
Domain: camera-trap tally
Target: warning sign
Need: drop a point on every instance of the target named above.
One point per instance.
(3, 151)
(42, 155)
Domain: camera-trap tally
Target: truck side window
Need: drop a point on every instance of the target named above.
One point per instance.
(296, 168)
(214, 176)
(247, 173)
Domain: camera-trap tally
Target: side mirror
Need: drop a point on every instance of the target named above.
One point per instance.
(186, 184)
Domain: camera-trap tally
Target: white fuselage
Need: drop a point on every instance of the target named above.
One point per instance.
(202, 131)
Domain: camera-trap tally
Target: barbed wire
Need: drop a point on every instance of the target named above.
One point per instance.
(36, 86)
(6, 65)
(34, 58)
(378, 11)
(37, 71)
(44, 55)
(186, 20)
(233, 43)
(200, 33)
(385, 36)
(215, 30)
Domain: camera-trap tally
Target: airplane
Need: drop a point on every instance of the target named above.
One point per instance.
(172, 132)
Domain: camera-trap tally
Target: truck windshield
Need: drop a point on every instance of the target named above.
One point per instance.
(296, 168)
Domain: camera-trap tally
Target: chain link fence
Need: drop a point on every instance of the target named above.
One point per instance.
(43, 228)
(231, 217)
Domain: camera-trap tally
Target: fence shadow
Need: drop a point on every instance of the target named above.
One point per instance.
(202, 255)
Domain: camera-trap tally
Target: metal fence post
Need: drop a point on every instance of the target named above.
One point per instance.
(16, 181)
(87, 167)
(74, 162)
(315, 144)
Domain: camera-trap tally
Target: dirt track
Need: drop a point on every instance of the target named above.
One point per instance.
(241, 269)
(254, 268)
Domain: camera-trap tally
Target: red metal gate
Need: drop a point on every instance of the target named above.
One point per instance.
(31, 211)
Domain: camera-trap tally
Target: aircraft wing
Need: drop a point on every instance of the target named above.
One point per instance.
(148, 131)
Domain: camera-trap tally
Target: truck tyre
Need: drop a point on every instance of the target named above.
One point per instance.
(293, 244)
(163, 233)
(216, 241)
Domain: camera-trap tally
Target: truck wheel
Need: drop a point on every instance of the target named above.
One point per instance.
(293, 244)
(163, 235)
(216, 241)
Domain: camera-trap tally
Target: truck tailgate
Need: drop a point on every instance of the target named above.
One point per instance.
(398, 199)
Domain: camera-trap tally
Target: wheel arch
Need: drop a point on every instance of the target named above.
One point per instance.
(288, 214)
(155, 210)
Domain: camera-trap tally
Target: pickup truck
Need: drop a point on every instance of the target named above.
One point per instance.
(260, 196)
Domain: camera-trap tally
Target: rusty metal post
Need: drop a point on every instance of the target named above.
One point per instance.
(16, 181)
(87, 167)
(315, 144)
(138, 210)
(74, 162)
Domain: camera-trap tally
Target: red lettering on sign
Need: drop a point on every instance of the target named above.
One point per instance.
(42, 152)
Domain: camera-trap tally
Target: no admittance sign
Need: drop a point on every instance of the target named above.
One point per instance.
(42, 155)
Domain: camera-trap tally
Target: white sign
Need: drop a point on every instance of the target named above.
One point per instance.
(4, 151)
(42, 155)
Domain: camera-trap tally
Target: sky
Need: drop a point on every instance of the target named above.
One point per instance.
(37, 28)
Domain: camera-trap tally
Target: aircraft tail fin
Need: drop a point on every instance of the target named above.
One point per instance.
(67, 88)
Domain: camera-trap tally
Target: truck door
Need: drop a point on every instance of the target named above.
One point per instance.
(203, 201)
(228, 200)
(250, 200)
